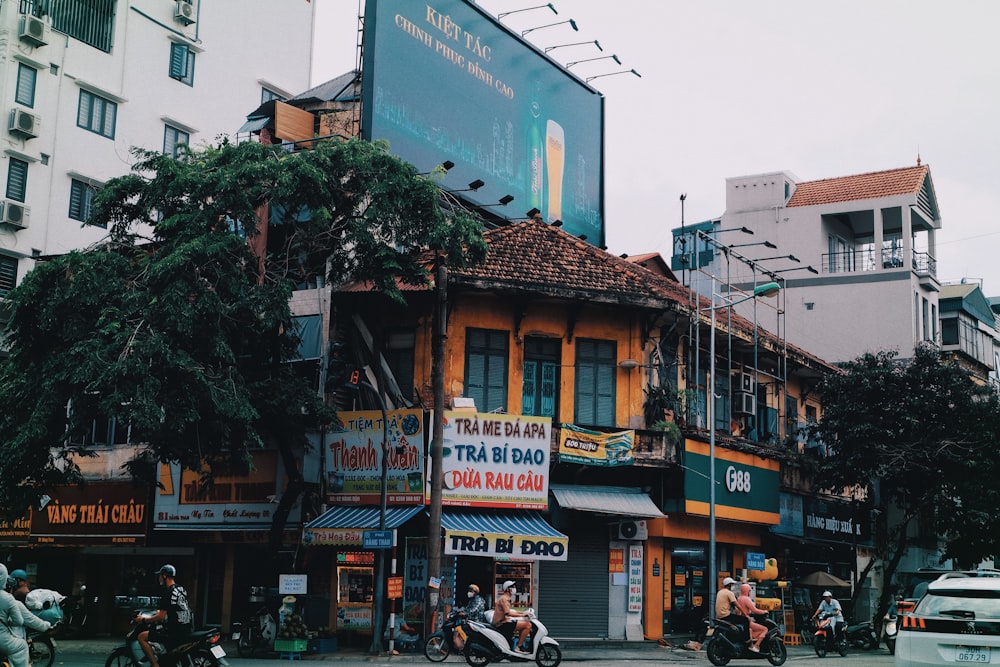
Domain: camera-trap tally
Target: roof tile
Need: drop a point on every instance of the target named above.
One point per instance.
(892, 182)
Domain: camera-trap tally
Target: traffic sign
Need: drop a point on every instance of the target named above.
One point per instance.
(377, 539)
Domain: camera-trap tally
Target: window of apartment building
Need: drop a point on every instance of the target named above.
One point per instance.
(182, 63)
(486, 368)
(8, 274)
(97, 114)
(89, 21)
(17, 179)
(540, 382)
(81, 200)
(266, 95)
(25, 91)
(925, 316)
(103, 431)
(173, 139)
(840, 258)
(596, 366)
(934, 323)
(400, 355)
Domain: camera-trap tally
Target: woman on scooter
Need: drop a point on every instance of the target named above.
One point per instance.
(748, 609)
(509, 621)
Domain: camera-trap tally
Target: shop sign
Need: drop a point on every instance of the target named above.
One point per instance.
(394, 591)
(242, 500)
(492, 460)
(491, 545)
(635, 579)
(15, 532)
(594, 448)
(747, 485)
(97, 514)
(342, 536)
(837, 521)
(353, 461)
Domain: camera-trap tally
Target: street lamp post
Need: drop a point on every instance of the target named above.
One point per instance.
(767, 289)
(379, 593)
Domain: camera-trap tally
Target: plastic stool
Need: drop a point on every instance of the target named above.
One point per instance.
(290, 655)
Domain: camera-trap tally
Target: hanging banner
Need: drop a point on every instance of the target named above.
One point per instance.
(354, 458)
(505, 545)
(492, 460)
(594, 448)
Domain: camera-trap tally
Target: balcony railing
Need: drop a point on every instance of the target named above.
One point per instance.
(859, 261)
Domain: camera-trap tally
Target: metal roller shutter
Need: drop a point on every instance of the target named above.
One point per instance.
(573, 595)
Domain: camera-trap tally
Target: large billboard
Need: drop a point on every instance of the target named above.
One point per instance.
(444, 81)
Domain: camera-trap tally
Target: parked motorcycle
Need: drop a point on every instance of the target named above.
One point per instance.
(487, 644)
(824, 638)
(257, 634)
(202, 649)
(727, 641)
(862, 635)
(890, 623)
(449, 639)
(74, 624)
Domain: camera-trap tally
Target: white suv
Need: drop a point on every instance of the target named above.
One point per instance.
(956, 622)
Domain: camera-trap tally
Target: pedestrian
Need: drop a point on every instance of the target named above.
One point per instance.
(725, 607)
(748, 609)
(173, 611)
(508, 621)
(11, 626)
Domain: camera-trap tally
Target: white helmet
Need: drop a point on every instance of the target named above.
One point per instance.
(728, 581)
(827, 594)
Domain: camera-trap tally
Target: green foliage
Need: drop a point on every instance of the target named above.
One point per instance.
(175, 327)
(924, 435)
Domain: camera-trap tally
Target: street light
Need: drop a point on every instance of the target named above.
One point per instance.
(766, 290)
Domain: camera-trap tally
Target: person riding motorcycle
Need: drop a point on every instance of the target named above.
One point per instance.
(508, 621)
(12, 642)
(476, 609)
(17, 584)
(833, 610)
(173, 610)
(725, 607)
(748, 609)
(44, 604)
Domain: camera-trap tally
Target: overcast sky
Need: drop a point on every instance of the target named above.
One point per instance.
(738, 87)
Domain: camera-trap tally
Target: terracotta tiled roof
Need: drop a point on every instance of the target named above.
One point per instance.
(907, 180)
(533, 256)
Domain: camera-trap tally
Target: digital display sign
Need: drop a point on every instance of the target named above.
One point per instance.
(444, 81)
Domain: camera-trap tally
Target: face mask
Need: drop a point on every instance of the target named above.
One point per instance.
(513, 591)
(471, 594)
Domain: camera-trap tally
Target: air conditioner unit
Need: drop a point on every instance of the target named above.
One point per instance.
(184, 11)
(746, 382)
(33, 30)
(23, 123)
(632, 530)
(14, 214)
(744, 403)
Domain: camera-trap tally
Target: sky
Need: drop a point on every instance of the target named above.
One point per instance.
(736, 87)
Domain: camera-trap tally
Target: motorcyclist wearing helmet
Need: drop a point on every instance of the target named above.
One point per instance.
(173, 611)
(17, 584)
(833, 610)
(726, 609)
(476, 609)
(11, 626)
(507, 620)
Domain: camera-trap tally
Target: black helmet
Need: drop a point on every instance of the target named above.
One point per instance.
(167, 571)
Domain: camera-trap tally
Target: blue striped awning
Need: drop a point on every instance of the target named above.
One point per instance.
(519, 534)
(345, 525)
(347, 516)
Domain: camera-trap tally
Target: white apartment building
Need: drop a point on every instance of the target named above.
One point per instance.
(82, 82)
(855, 256)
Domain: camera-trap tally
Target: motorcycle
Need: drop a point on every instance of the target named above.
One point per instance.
(862, 635)
(890, 623)
(727, 641)
(201, 649)
(258, 633)
(486, 644)
(824, 639)
(74, 609)
(449, 639)
(41, 649)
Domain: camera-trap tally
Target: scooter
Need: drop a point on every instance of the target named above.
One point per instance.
(824, 639)
(449, 639)
(862, 635)
(258, 633)
(727, 641)
(202, 649)
(890, 623)
(486, 644)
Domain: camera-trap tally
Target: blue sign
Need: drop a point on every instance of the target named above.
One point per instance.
(755, 560)
(377, 539)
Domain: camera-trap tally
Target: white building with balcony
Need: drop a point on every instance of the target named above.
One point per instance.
(855, 256)
(82, 82)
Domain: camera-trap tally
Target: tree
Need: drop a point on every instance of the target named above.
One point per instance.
(178, 327)
(920, 436)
